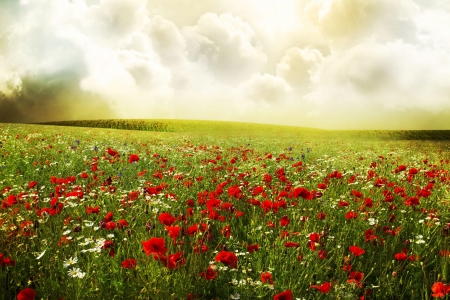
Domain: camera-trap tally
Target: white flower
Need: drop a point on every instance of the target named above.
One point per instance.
(70, 261)
(235, 296)
(234, 281)
(67, 232)
(76, 272)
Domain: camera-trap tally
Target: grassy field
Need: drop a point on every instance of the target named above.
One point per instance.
(218, 210)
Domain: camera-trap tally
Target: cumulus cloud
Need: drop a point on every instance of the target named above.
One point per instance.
(265, 88)
(227, 45)
(297, 66)
(335, 63)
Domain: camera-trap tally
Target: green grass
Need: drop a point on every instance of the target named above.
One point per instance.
(190, 162)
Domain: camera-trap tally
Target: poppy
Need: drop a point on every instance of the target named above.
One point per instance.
(286, 295)
(129, 263)
(439, 289)
(209, 274)
(227, 258)
(252, 248)
(291, 244)
(266, 277)
(401, 256)
(324, 288)
(26, 294)
(133, 158)
(166, 219)
(356, 251)
(155, 246)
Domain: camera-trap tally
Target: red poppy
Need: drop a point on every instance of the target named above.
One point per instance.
(252, 248)
(228, 258)
(110, 225)
(133, 158)
(112, 152)
(356, 250)
(226, 231)
(266, 277)
(192, 230)
(324, 288)
(108, 217)
(322, 254)
(401, 256)
(351, 215)
(322, 186)
(286, 295)
(314, 237)
(155, 246)
(356, 277)
(166, 218)
(122, 223)
(129, 263)
(26, 294)
(209, 274)
(291, 244)
(174, 231)
(92, 210)
(284, 221)
(172, 261)
(439, 289)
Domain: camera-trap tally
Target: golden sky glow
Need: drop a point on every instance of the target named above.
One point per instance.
(334, 64)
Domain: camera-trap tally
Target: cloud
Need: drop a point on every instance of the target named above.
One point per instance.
(227, 45)
(265, 88)
(298, 65)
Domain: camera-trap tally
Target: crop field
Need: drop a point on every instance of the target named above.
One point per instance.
(216, 210)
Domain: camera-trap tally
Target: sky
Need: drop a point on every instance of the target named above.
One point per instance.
(330, 64)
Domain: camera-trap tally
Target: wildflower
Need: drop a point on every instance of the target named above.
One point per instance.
(286, 295)
(210, 273)
(129, 263)
(439, 289)
(156, 246)
(324, 288)
(70, 261)
(76, 272)
(26, 294)
(235, 296)
(356, 250)
(41, 254)
(228, 258)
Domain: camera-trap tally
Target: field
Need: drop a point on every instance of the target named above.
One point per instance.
(214, 210)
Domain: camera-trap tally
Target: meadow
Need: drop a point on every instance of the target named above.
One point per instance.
(215, 210)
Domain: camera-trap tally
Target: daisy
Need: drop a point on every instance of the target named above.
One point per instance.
(76, 272)
(70, 261)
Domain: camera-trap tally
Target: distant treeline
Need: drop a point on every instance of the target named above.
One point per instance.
(232, 128)
(144, 125)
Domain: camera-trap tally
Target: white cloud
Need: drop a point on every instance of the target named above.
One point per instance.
(265, 88)
(297, 66)
(227, 45)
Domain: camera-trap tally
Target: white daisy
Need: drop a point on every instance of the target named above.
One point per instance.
(70, 261)
(76, 272)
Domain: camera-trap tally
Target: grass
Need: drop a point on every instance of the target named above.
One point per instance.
(301, 195)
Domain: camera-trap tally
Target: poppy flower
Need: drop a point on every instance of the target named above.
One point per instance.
(172, 261)
(356, 251)
(351, 215)
(356, 277)
(286, 295)
(401, 256)
(26, 294)
(129, 263)
(439, 289)
(209, 274)
(252, 248)
(322, 254)
(166, 219)
(266, 277)
(284, 221)
(154, 246)
(133, 158)
(291, 244)
(324, 288)
(174, 231)
(227, 258)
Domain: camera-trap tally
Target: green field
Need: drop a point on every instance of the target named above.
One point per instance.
(171, 209)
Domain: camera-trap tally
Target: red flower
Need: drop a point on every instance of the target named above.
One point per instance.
(122, 223)
(226, 231)
(228, 258)
(112, 152)
(129, 263)
(314, 237)
(266, 277)
(108, 217)
(93, 210)
(356, 250)
(26, 294)
(156, 246)
(192, 230)
(166, 219)
(439, 289)
(351, 215)
(210, 273)
(291, 244)
(110, 225)
(174, 231)
(324, 288)
(322, 186)
(172, 261)
(356, 278)
(133, 158)
(252, 248)
(284, 221)
(286, 295)
(401, 256)
(322, 254)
